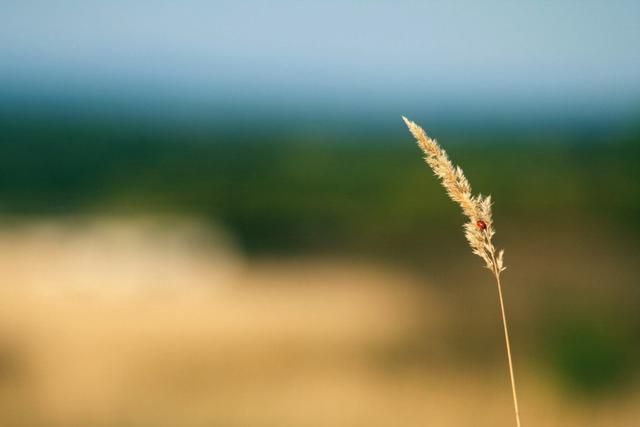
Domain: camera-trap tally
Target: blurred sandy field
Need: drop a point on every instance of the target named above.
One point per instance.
(144, 323)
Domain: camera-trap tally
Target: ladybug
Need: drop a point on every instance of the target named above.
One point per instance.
(481, 224)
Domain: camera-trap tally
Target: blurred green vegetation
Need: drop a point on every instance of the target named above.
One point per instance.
(590, 355)
(287, 191)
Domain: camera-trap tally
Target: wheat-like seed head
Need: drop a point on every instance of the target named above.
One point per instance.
(479, 229)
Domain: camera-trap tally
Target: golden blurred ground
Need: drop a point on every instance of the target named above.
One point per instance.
(119, 323)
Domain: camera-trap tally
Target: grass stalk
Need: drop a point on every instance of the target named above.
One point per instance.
(478, 229)
(508, 347)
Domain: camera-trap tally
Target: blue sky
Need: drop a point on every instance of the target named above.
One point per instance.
(562, 56)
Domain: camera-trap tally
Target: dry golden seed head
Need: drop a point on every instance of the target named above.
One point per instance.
(479, 230)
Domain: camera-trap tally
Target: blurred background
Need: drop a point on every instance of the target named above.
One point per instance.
(211, 213)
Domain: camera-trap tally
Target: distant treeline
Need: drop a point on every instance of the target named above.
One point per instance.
(284, 191)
